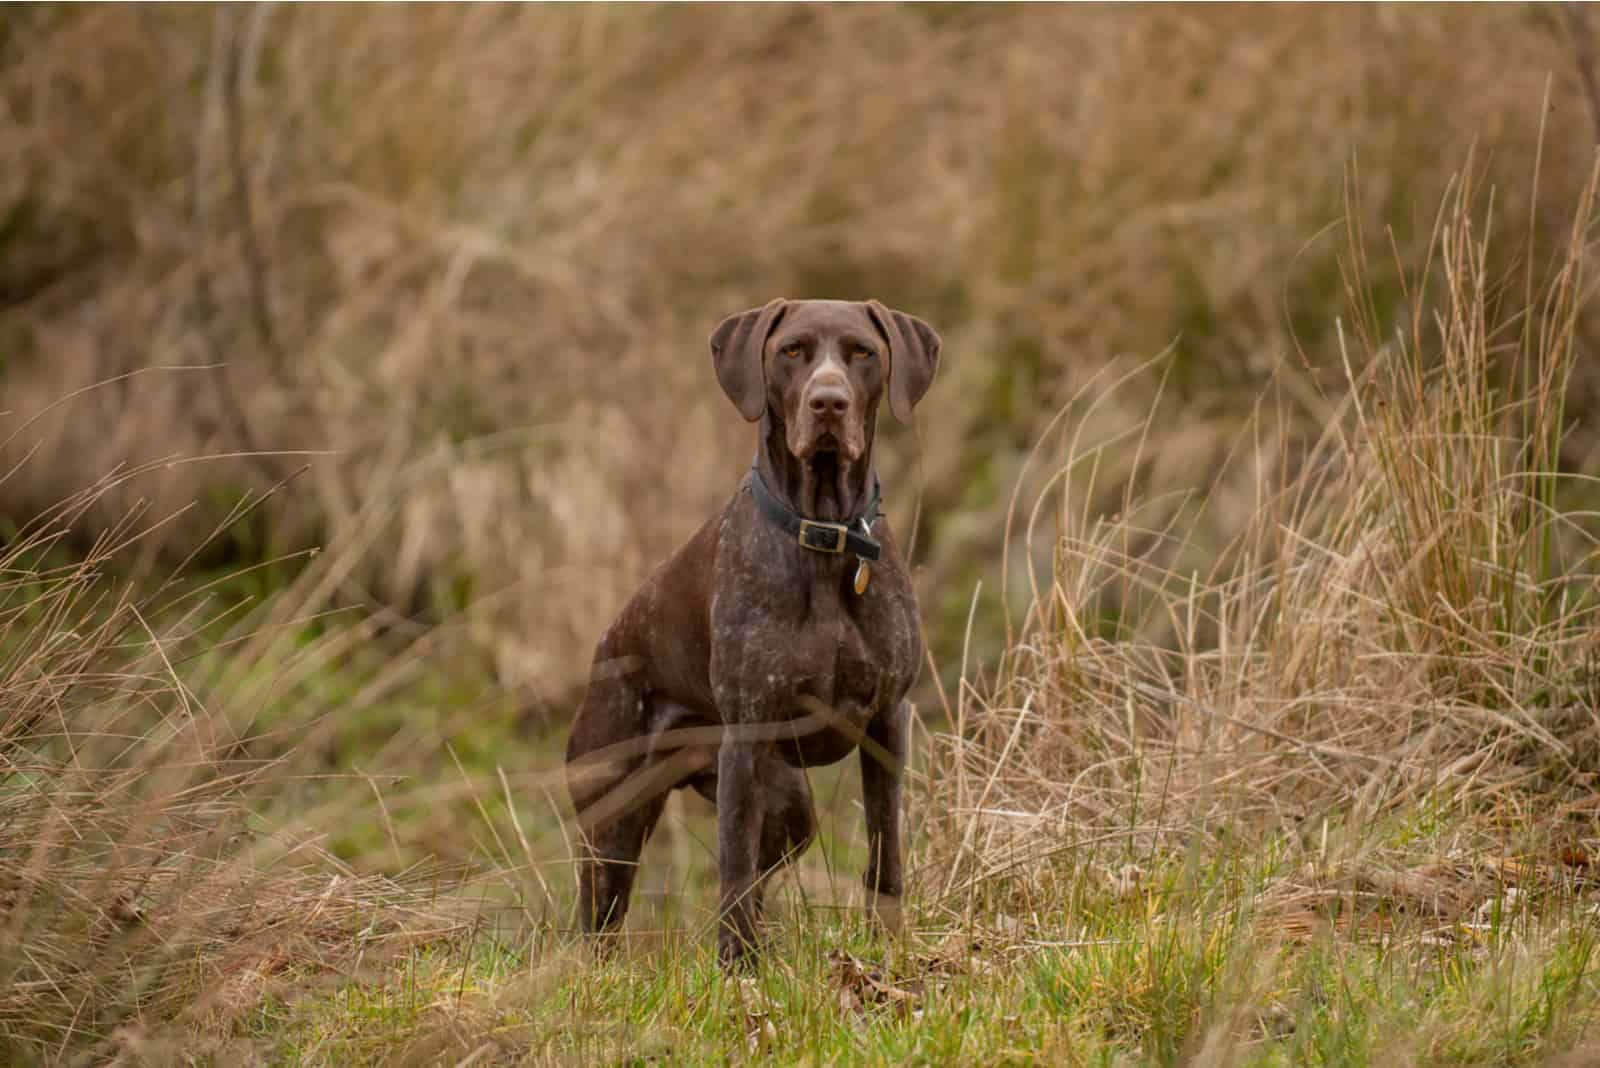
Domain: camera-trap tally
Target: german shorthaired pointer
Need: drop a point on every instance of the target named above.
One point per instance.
(782, 635)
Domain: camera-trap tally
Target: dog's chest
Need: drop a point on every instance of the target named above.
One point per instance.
(812, 642)
(845, 665)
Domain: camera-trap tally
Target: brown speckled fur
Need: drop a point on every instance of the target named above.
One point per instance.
(746, 658)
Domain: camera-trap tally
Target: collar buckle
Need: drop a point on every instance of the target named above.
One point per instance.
(823, 537)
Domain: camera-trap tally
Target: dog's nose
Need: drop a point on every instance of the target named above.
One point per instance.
(829, 399)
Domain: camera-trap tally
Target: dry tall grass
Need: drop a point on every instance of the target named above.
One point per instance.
(1408, 618)
(153, 888)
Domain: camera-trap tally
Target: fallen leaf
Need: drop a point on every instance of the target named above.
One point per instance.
(758, 1026)
(861, 986)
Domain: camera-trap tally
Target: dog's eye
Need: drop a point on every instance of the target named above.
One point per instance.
(865, 354)
(792, 352)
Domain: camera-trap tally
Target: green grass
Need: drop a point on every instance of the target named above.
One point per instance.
(1185, 964)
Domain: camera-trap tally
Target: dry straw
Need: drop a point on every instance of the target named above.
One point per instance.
(1407, 616)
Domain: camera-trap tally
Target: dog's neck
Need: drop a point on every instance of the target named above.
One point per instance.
(836, 493)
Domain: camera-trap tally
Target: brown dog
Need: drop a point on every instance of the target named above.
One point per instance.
(782, 635)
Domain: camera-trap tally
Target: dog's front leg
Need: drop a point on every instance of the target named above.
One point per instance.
(740, 802)
(883, 756)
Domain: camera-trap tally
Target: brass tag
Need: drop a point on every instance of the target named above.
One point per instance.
(863, 573)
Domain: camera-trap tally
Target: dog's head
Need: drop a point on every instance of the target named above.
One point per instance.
(820, 367)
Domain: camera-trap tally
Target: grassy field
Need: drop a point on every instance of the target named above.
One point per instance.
(353, 371)
(1331, 803)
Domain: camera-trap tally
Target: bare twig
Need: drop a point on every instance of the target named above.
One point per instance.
(217, 76)
(255, 261)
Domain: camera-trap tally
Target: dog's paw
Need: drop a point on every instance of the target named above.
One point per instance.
(736, 954)
(885, 908)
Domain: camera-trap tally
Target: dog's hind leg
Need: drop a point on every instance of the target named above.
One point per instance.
(619, 777)
(789, 824)
(607, 757)
(616, 827)
(605, 878)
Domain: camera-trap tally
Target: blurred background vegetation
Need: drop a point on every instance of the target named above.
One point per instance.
(469, 258)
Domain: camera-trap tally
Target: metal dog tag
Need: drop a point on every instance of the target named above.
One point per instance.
(863, 573)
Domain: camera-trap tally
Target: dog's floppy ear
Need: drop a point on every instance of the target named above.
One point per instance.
(913, 357)
(736, 353)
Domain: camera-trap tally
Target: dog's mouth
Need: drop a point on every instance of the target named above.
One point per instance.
(824, 461)
(828, 441)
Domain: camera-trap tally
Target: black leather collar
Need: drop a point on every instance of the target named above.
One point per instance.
(819, 535)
